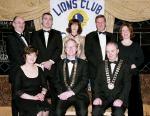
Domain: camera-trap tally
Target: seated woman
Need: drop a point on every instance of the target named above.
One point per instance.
(30, 87)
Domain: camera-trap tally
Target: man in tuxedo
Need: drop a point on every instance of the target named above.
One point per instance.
(112, 84)
(72, 81)
(95, 43)
(48, 42)
(15, 44)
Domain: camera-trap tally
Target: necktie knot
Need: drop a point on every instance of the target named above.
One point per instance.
(102, 32)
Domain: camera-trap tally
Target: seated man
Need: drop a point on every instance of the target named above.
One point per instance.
(72, 81)
(112, 84)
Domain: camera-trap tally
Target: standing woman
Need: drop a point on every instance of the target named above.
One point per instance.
(74, 30)
(30, 87)
(132, 52)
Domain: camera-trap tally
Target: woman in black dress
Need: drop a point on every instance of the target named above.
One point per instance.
(30, 87)
(132, 52)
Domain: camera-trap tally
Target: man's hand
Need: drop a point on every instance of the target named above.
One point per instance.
(117, 103)
(65, 95)
(133, 66)
(97, 101)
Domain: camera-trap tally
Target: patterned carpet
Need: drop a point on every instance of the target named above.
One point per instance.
(5, 91)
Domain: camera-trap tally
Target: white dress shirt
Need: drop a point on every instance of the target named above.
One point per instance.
(102, 41)
(46, 35)
(112, 66)
(70, 66)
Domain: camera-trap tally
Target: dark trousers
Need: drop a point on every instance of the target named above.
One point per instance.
(52, 94)
(99, 110)
(14, 108)
(135, 107)
(27, 114)
(81, 106)
(92, 87)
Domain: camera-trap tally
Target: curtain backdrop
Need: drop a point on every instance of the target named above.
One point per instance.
(129, 10)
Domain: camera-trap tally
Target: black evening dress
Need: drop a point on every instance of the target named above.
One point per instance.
(133, 55)
(31, 86)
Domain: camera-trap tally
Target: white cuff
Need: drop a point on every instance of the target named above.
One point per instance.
(52, 61)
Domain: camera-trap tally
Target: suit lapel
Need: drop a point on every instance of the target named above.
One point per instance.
(107, 37)
(97, 46)
(20, 41)
(67, 74)
(41, 34)
(50, 37)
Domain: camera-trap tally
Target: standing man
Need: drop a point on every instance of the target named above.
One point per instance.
(15, 45)
(112, 84)
(95, 43)
(48, 42)
(72, 81)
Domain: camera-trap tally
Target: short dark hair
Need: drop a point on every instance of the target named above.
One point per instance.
(129, 26)
(29, 50)
(74, 21)
(46, 13)
(100, 16)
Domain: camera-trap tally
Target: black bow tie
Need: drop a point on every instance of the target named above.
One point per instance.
(102, 33)
(20, 35)
(46, 31)
(114, 62)
(72, 61)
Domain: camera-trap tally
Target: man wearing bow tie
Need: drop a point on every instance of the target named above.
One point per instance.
(48, 42)
(72, 81)
(95, 44)
(15, 44)
(112, 84)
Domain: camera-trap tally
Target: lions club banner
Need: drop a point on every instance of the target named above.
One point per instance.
(83, 10)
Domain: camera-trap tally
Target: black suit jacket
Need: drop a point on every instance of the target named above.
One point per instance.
(122, 84)
(53, 49)
(81, 79)
(15, 49)
(93, 51)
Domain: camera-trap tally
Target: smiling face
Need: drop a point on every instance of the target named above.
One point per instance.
(19, 24)
(31, 58)
(100, 24)
(112, 51)
(71, 48)
(125, 32)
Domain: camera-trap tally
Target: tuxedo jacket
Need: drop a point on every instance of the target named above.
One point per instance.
(81, 79)
(15, 50)
(53, 49)
(122, 83)
(93, 51)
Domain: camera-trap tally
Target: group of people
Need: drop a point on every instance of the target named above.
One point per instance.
(48, 74)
